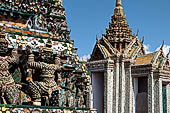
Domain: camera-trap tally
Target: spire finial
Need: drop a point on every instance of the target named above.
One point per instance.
(137, 32)
(143, 39)
(163, 43)
(118, 3)
(119, 8)
(97, 40)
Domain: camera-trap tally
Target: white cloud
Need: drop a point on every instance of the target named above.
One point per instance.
(147, 47)
(85, 57)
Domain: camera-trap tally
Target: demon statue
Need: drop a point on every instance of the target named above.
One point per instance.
(8, 89)
(44, 91)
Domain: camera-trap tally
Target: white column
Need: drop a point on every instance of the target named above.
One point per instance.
(128, 87)
(160, 96)
(135, 92)
(123, 90)
(114, 91)
(150, 93)
(168, 97)
(90, 92)
(108, 95)
(131, 92)
(117, 86)
(156, 94)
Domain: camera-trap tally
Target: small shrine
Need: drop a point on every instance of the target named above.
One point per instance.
(124, 79)
(40, 70)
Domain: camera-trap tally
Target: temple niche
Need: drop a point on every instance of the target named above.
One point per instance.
(40, 70)
(128, 79)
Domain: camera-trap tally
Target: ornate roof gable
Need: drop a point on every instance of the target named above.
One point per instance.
(99, 52)
(157, 58)
(135, 48)
(160, 60)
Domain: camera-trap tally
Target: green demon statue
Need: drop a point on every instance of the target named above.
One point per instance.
(44, 91)
(8, 89)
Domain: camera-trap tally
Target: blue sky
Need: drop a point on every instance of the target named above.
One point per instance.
(86, 18)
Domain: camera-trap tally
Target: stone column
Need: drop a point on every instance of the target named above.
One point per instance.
(168, 97)
(129, 89)
(131, 93)
(90, 92)
(156, 94)
(150, 93)
(122, 86)
(108, 88)
(160, 96)
(117, 87)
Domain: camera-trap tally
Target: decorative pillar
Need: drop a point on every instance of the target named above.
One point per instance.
(168, 97)
(131, 92)
(160, 96)
(117, 87)
(156, 94)
(150, 93)
(122, 86)
(108, 88)
(129, 89)
(90, 92)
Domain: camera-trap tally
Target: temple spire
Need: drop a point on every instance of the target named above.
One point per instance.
(119, 9)
(118, 3)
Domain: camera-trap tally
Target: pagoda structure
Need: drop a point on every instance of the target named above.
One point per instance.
(124, 79)
(40, 70)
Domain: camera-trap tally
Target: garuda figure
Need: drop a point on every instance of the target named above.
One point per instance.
(44, 90)
(8, 89)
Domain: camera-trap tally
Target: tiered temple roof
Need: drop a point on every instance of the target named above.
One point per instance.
(119, 40)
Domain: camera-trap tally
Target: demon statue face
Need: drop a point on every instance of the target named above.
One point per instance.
(47, 53)
(3, 42)
(3, 46)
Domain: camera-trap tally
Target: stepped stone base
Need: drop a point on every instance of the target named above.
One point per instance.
(42, 109)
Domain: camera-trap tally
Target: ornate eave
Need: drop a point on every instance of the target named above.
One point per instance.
(135, 48)
(99, 52)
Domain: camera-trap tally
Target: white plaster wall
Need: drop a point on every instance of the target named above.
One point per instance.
(98, 91)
